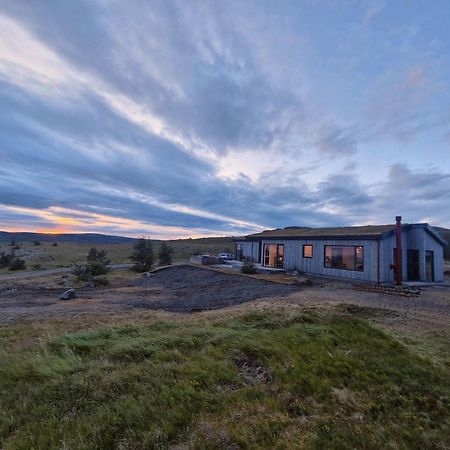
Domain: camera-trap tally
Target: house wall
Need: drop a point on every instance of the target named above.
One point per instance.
(293, 257)
(250, 249)
(414, 239)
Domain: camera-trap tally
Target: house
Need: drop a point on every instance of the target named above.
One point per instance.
(367, 253)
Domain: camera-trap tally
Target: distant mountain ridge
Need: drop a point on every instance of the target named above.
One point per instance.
(6, 236)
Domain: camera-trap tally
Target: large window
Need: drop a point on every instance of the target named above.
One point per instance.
(274, 255)
(344, 257)
(307, 251)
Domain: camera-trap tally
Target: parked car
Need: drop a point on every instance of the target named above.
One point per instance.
(226, 255)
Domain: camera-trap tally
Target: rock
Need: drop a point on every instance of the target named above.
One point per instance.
(147, 275)
(70, 293)
(89, 284)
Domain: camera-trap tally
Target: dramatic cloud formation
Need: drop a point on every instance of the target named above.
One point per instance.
(172, 119)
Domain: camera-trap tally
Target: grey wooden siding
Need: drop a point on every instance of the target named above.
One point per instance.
(414, 238)
(293, 257)
(250, 249)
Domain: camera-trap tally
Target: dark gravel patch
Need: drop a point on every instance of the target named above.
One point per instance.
(189, 289)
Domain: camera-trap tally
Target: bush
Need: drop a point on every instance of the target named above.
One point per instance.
(36, 243)
(81, 272)
(55, 244)
(17, 264)
(165, 254)
(5, 259)
(248, 267)
(97, 264)
(142, 255)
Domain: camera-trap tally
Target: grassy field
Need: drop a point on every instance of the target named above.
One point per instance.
(47, 256)
(298, 378)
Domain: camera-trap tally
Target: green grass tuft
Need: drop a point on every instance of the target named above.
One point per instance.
(260, 380)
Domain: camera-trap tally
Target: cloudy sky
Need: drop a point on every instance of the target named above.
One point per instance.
(195, 118)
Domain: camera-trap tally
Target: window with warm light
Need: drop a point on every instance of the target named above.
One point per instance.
(307, 251)
(344, 257)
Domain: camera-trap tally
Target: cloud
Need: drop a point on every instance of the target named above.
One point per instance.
(174, 120)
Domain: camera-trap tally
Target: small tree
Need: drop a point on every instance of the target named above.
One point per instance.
(13, 242)
(98, 262)
(5, 259)
(142, 255)
(17, 264)
(165, 254)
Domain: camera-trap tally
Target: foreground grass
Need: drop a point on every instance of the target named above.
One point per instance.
(259, 380)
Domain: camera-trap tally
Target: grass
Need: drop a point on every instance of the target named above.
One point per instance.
(299, 379)
(46, 256)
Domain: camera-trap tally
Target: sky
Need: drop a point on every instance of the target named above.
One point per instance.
(194, 118)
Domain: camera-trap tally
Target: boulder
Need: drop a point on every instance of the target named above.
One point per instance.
(70, 293)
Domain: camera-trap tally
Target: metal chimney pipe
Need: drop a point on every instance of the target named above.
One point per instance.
(398, 265)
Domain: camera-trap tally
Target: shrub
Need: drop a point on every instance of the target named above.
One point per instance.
(165, 254)
(5, 259)
(36, 243)
(81, 272)
(142, 255)
(97, 264)
(248, 267)
(17, 264)
(55, 244)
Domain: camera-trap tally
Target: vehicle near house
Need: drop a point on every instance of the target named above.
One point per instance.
(227, 256)
(366, 253)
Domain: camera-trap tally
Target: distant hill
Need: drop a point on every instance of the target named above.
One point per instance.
(6, 236)
(445, 233)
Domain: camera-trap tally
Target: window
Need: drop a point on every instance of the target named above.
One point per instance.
(344, 257)
(307, 251)
(274, 255)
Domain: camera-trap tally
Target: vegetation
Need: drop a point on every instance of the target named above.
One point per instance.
(165, 254)
(259, 380)
(97, 264)
(37, 243)
(248, 267)
(142, 255)
(5, 259)
(64, 254)
(17, 264)
(11, 261)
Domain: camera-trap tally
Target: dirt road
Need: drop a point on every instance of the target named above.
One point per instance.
(48, 272)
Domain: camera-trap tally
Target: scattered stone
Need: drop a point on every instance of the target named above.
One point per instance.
(89, 284)
(70, 293)
(147, 274)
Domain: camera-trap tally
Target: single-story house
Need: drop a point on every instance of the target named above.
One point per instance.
(367, 253)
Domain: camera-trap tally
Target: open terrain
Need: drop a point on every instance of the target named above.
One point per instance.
(195, 358)
(47, 255)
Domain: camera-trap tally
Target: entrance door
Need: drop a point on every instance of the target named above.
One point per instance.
(413, 265)
(429, 265)
(274, 255)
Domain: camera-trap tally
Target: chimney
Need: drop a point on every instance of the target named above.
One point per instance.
(398, 265)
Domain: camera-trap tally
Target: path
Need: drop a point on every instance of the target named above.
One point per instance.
(56, 271)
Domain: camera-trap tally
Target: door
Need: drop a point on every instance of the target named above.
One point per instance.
(274, 255)
(413, 265)
(429, 265)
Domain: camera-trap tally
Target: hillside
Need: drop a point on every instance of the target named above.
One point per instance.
(6, 236)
